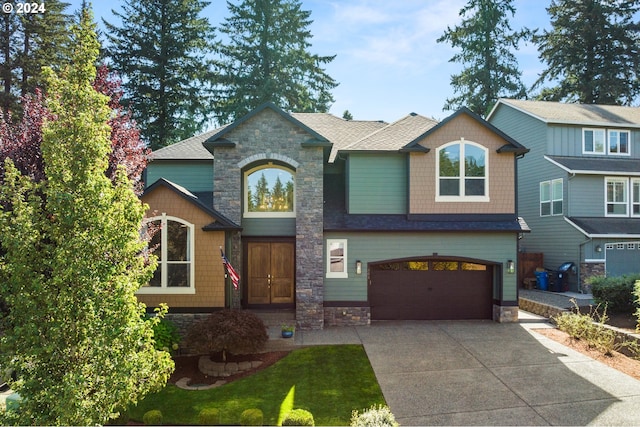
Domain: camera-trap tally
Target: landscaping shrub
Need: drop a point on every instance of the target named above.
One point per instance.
(152, 418)
(209, 417)
(233, 331)
(590, 328)
(375, 416)
(166, 336)
(614, 292)
(252, 417)
(636, 293)
(298, 417)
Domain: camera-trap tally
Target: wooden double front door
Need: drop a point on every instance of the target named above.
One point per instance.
(270, 272)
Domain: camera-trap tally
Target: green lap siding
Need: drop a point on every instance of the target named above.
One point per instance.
(372, 247)
(192, 175)
(377, 183)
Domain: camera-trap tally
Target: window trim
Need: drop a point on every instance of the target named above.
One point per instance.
(245, 190)
(619, 131)
(627, 203)
(463, 198)
(337, 274)
(162, 265)
(632, 201)
(604, 143)
(551, 200)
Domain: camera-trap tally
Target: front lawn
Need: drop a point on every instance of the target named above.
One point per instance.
(328, 381)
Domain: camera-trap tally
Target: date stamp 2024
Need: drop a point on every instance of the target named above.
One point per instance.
(23, 8)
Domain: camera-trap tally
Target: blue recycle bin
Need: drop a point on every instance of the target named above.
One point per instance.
(542, 280)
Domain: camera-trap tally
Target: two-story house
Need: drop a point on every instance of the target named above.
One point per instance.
(579, 187)
(345, 221)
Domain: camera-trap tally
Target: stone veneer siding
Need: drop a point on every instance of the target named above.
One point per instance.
(588, 270)
(347, 316)
(270, 137)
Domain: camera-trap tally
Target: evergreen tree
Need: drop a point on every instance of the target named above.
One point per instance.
(160, 52)
(29, 42)
(486, 40)
(591, 52)
(267, 59)
(70, 266)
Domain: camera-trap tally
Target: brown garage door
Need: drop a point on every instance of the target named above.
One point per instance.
(430, 290)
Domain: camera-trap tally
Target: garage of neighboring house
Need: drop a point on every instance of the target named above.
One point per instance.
(622, 258)
(431, 288)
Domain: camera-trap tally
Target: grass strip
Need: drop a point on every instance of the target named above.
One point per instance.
(328, 381)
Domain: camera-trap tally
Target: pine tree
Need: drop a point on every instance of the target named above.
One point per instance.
(70, 266)
(160, 50)
(29, 42)
(267, 59)
(591, 52)
(486, 42)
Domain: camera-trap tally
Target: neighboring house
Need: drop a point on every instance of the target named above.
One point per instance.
(345, 221)
(579, 187)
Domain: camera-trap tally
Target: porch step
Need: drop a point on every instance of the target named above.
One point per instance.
(273, 318)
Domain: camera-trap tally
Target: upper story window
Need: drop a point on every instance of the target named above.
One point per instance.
(269, 192)
(622, 196)
(465, 180)
(551, 197)
(599, 141)
(173, 245)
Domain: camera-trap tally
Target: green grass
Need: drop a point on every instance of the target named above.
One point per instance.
(328, 381)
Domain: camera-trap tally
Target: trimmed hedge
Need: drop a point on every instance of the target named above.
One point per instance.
(298, 417)
(615, 293)
(252, 417)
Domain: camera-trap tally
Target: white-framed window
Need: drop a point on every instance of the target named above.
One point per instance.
(462, 172)
(635, 197)
(593, 141)
(173, 244)
(337, 258)
(269, 192)
(619, 142)
(615, 142)
(616, 196)
(551, 197)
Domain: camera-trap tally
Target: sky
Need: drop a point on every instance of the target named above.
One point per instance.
(388, 62)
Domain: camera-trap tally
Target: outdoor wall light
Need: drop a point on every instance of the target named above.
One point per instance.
(598, 248)
(358, 267)
(511, 267)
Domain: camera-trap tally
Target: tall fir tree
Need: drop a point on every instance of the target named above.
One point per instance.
(160, 50)
(591, 52)
(486, 42)
(267, 58)
(29, 42)
(70, 264)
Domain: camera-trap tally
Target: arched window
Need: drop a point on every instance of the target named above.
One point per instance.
(173, 244)
(269, 192)
(461, 172)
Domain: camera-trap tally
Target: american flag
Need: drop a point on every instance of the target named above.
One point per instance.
(235, 278)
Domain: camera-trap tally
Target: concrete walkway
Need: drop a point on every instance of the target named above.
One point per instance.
(486, 373)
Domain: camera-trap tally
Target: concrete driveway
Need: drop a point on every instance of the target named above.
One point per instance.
(486, 373)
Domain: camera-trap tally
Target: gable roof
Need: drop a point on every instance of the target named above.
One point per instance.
(574, 114)
(220, 221)
(217, 138)
(511, 145)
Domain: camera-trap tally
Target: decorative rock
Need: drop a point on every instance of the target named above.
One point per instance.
(183, 383)
(218, 369)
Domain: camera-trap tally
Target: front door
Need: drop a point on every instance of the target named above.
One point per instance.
(270, 272)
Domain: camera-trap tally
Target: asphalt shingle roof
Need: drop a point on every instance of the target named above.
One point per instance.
(598, 165)
(394, 136)
(578, 114)
(603, 226)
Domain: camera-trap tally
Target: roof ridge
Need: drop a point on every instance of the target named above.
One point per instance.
(388, 126)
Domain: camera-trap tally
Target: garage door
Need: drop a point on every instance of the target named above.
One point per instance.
(434, 289)
(622, 258)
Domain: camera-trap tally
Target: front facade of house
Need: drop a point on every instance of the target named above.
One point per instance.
(579, 187)
(344, 221)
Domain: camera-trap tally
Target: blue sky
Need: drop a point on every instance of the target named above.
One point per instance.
(388, 62)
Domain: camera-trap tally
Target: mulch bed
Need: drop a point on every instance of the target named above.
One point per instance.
(187, 366)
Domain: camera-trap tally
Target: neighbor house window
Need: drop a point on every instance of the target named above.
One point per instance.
(269, 192)
(619, 142)
(616, 194)
(635, 197)
(551, 197)
(172, 243)
(337, 258)
(593, 141)
(462, 172)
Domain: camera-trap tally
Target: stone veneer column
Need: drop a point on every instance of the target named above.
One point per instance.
(269, 137)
